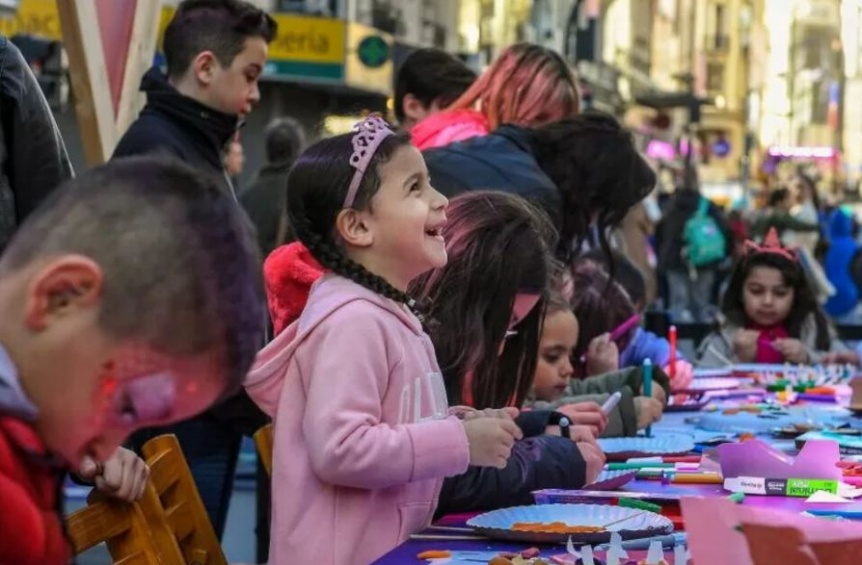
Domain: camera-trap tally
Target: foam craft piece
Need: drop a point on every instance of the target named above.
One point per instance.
(816, 460)
(721, 532)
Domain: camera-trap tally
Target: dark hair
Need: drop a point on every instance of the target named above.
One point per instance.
(778, 196)
(431, 75)
(600, 305)
(596, 167)
(498, 247)
(804, 300)
(316, 189)
(180, 264)
(285, 140)
(220, 26)
(625, 272)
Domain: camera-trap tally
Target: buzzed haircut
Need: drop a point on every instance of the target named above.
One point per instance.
(431, 75)
(181, 271)
(220, 26)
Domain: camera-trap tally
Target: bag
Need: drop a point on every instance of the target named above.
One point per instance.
(703, 240)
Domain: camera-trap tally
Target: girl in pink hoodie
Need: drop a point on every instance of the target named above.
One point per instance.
(363, 431)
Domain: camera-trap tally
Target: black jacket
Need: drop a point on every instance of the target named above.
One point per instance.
(264, 201)
(538, 462)
(179, 126)
(176, 125)
(502, 160)
(33, 159)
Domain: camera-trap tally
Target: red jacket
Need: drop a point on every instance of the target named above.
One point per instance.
(31, 527)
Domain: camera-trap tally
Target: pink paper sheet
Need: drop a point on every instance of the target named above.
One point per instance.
(714, 537)
(755, 458)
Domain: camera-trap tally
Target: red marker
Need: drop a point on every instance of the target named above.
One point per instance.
(671, 337)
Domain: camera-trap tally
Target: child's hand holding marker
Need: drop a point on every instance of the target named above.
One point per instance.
(587, 414)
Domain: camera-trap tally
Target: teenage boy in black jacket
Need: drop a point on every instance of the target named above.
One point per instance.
(215, 52)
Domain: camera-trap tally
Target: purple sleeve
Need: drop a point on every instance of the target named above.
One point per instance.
(647, 345)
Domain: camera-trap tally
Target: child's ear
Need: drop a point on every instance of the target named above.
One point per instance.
(63, 286)
(352, 227)
(204, 66)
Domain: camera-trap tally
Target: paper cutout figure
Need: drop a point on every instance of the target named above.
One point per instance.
(615, 551)
(680, 555)
(755, 458)
(587, 555)
(655, 555)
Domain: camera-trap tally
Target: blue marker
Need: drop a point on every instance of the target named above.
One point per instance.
(648, 386)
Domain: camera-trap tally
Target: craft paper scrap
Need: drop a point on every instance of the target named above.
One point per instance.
(822, 496)
(721, 533)
(816, 460)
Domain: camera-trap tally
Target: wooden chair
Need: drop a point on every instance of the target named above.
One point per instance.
(263, 441)
(183, 508)
(135, 533)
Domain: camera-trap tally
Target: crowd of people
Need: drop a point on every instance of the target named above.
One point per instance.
(450, 300)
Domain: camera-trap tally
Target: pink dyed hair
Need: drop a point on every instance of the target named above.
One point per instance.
(527, 85)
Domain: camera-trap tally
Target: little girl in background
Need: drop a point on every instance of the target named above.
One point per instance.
(610, 333)
(486, 308)
(554, 387)
(769, 313)
(363, 435)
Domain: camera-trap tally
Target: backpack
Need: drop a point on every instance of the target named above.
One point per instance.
(703, 240)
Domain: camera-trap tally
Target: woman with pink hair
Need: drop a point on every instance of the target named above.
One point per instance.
(527, 85)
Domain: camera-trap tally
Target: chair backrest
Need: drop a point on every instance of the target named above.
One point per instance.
(184, 510)
(135, 533)
(263, 441)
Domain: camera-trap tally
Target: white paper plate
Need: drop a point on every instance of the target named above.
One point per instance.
(612, 480)
(498, 523)
(712, 383)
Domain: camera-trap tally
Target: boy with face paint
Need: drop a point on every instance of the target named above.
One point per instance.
(215, 52)
(131, 299)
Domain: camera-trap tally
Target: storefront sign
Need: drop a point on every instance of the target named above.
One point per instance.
(369, 59)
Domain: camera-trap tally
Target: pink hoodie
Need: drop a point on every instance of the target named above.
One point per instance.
(363, 438)
(448, 126)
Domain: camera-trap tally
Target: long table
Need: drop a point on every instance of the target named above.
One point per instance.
(406, 554)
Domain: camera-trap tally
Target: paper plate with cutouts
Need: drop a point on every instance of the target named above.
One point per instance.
(556, 523)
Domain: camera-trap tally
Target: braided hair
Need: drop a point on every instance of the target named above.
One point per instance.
(316, 188)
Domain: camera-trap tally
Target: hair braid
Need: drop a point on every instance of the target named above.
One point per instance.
(333, 259)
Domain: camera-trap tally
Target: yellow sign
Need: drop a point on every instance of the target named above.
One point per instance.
(313, 40)
(34, 17)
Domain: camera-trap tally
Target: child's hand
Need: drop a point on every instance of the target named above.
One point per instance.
(491, 440)
(842, 358)
(603, 356)
(123, 476)
(793, 350)
(682, 376)
(649, 411)
(509, 413)
(587, 414)
(595, 460)
(658, 393)
(745, 345)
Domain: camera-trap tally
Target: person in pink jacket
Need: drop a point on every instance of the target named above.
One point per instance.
(527, 85)
(363, 432)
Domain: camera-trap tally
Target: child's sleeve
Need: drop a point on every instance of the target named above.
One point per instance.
(345, 383)
(647, 345)
(715, 351)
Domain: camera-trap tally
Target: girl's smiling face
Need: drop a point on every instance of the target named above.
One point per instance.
(766, 296)
(554, 369)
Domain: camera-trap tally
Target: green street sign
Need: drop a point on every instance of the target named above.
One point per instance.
(373, 51)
